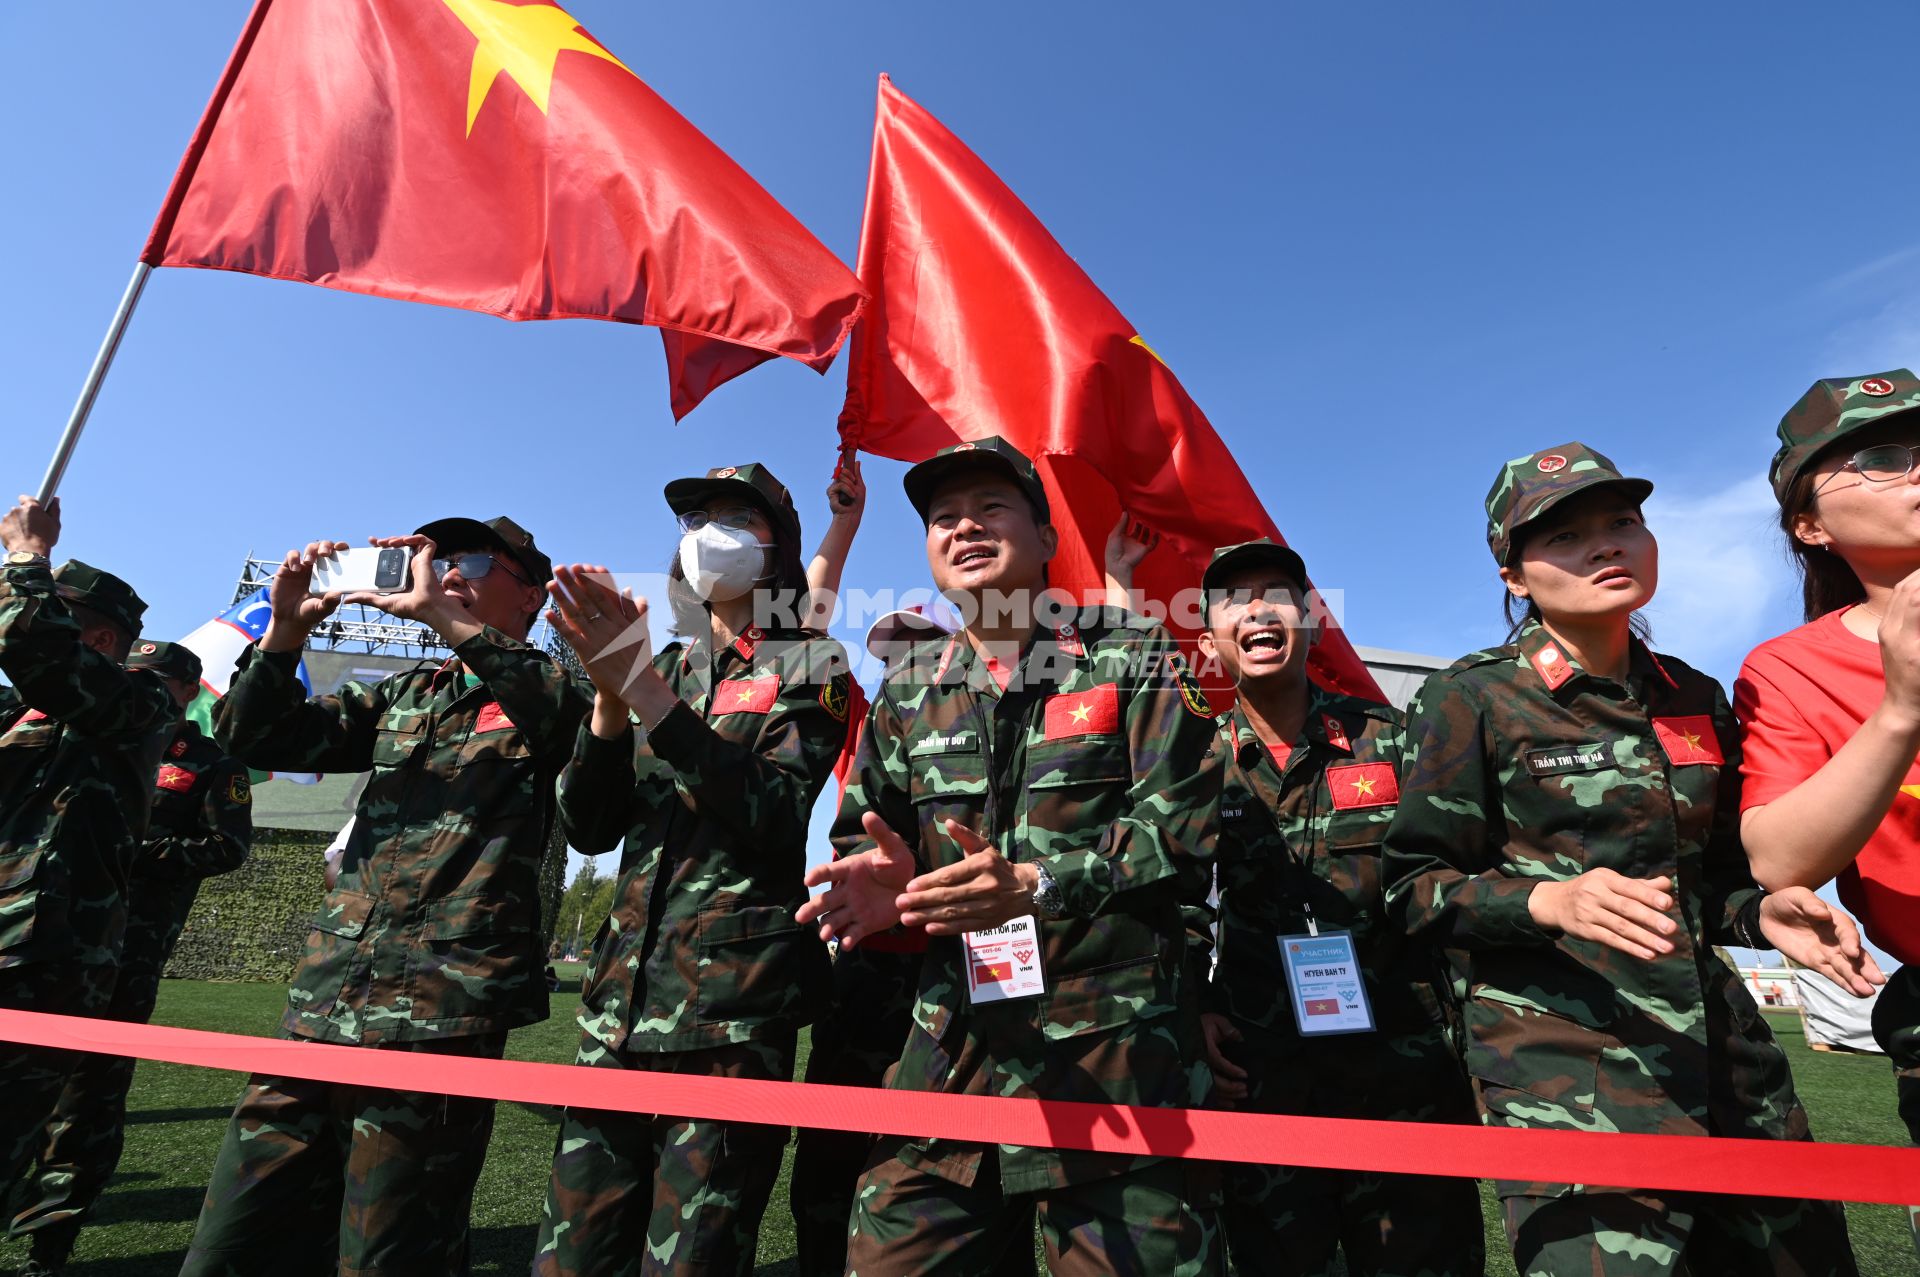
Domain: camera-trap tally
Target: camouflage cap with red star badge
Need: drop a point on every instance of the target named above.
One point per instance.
(751, 482)
(1832, 409)
(1530, 486)
(990, 453)
(170, 660)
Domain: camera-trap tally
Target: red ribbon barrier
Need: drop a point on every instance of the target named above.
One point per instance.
(1770, 1168)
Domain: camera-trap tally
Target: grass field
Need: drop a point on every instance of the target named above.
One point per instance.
(178, 1114)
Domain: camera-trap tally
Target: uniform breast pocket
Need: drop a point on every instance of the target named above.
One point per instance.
(757, 964)
(1515, 1047)
(947, 775)
(392, 748)
(472, 954)
(1079, 785)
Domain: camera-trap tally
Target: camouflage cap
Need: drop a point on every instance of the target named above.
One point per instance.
(1229, 559)
(104, 592)
(500, 533)
(751, 482)
(170, 660)
(1530, 486)
(1832, 409)
(992, 452)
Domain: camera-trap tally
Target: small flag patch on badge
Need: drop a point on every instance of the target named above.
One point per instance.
(1323, 1006)
(745, 695)
(1689, 739)
(1088, 713)
(492, 719)
(174, 779)
(1363, 785)
(992, 972)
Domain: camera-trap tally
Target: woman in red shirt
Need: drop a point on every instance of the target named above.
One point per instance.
(1831, 711)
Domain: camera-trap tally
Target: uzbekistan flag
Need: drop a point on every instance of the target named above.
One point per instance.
(218, 644)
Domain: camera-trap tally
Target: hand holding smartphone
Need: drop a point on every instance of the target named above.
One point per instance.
(371, 569)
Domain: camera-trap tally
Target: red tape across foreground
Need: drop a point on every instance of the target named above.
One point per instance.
(1849, 1172)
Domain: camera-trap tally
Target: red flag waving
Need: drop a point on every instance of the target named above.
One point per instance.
(491, 155)
(981, 324)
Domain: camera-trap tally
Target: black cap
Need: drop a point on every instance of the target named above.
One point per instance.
(753, 483)
(499, 534)
(170, 660)
(104, 592)
(1229, 559)
(990, 453)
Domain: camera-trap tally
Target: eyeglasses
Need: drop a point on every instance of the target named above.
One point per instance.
(1882, 463)
(472, 566)
(738, 520)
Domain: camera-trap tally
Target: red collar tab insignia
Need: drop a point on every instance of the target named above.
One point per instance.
(1359, 785)
(749, 642)
(726, 472)
(946, 659)
(963, 447)
(176, 749)
(1068, 640)
(492, 719)
(1336, 734)
(1551, 463)
(177, 780)
(1553, 668)
(1878, 387)
(745, 695)
(148, 649)
(1689, 739)
(1094, 712)
(33, 716)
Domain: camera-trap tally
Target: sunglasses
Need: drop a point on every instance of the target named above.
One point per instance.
(473, 566)
(738, 520)
(1882, 463)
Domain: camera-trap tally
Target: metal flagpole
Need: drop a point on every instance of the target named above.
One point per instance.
(90, 390)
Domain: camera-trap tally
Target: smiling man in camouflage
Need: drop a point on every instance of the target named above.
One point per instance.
(430, 939)
(1052, 784)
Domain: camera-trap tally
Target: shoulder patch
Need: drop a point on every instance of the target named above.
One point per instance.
(239, 791)
(835, 696)
(1191, 696)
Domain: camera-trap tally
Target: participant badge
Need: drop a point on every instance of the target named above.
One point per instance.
(1324, 984)
(1004, 962)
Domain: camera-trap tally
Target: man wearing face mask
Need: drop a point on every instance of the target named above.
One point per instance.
(80, 742)
(705, 761)
(430, 939)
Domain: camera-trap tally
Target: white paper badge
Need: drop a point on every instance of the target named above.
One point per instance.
(1324, 984)
(1004, 962)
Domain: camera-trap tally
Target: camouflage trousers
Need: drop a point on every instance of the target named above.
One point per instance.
(1651, 1234)
(639, 1193)
(82, 1141)
(854, 1044)
(1386, 1225)
(1896, 1027)
(315, 1177)
(1142, 1223)
(31, 1078)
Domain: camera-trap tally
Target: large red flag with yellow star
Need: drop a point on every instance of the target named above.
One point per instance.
(981, 324)
(491, 155)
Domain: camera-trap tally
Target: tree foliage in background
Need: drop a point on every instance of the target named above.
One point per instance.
(586, 904)
(252, 924)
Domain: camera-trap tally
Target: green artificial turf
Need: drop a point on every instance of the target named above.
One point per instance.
(178, 1115)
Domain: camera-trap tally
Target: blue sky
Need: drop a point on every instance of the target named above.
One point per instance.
(1384, 246)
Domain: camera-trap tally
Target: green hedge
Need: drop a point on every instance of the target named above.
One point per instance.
(252, 924)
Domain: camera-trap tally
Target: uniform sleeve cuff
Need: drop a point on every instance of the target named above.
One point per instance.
(1084, 881)
(1505, 917)
(591, 750)
(30, 578)
(676, 736)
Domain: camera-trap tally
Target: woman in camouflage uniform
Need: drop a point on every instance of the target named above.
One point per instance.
(707, 759)
(1567, 819)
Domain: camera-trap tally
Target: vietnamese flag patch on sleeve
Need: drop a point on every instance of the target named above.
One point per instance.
(745, 696)
(1089, 713)
(176, 780)
(1363, 785)
(492, 719)
(1689, 739)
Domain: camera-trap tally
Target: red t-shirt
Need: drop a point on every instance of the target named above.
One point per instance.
(1800, 697)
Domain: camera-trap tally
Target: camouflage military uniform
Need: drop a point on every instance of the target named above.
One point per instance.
(1522, 768)
(701, 967)
(430, 941)
(80, 740)
(1095, 761)
(1299, 841)
(201, 825)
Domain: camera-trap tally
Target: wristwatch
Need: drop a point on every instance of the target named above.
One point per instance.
(1047, 897)
(24, 558)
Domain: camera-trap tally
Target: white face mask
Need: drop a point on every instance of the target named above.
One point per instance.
(722, 562)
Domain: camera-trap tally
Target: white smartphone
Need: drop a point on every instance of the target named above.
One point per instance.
(381, 571)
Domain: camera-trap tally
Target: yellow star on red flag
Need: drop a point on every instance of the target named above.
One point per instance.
(524, 41)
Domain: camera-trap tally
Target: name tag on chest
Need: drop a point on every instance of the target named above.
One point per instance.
(1004, 962)
(1556, 759)
(1324, 984)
